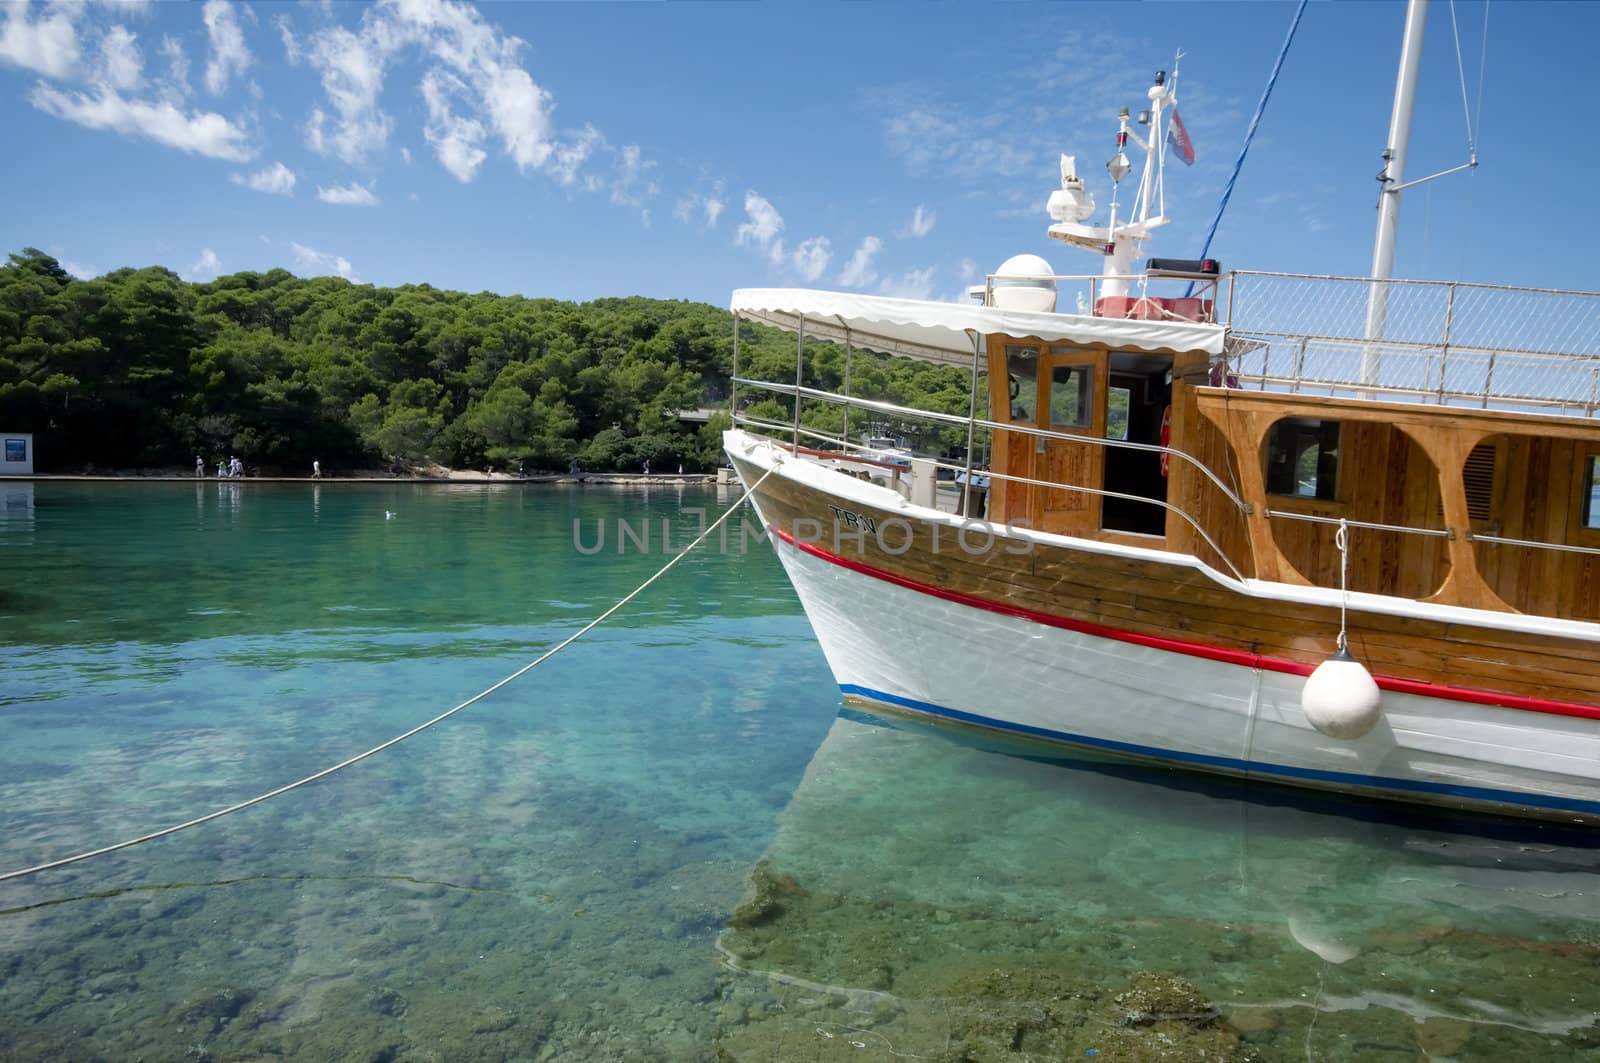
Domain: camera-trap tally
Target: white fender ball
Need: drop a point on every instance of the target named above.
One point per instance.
(1340, 698)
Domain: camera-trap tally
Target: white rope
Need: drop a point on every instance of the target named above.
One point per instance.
(397, 739)
(1341, 539)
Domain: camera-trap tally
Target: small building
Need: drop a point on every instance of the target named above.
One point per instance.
(17, 457)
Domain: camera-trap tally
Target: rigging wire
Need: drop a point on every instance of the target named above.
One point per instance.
(1483, 63)
(1255, 121)
(1466, 110)
(397, 739)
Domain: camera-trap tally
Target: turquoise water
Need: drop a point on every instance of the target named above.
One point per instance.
(666, 843)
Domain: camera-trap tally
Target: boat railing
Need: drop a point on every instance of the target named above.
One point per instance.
(1367, 525)
(1438, 342)
(957, 421)
(797, 430)
(1533, 544)
(1134, 299)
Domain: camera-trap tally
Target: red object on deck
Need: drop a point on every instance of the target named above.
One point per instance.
(1150, 308)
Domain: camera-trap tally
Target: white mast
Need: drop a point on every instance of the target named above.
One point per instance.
(1393, 175)
(1118, 240)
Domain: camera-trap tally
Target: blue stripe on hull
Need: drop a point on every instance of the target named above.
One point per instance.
(1349, 781)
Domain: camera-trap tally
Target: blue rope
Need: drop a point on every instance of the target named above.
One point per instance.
(1261, 107)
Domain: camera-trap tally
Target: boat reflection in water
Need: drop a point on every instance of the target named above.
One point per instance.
(937, 893)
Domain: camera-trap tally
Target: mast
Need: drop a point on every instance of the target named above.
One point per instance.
(1393, 175)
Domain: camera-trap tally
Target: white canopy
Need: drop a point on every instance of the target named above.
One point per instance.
(946, 332)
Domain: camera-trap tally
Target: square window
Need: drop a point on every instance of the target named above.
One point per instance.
(16, 450)
(1303, 458)
(1071, 396)
(1022, 371)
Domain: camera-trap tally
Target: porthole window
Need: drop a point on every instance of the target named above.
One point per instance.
(1303, 458)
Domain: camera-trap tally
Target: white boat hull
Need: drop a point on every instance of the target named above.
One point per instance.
(921, 651)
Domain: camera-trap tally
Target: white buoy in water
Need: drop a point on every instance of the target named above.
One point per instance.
(1340, 698)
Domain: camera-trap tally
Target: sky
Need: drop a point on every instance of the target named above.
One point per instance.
(583, 150)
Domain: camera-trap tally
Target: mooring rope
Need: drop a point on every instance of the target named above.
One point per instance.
(397, 739)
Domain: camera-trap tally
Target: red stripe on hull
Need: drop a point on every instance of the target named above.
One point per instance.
(1193, 649)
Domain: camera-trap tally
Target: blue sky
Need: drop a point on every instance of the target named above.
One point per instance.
(682, 150)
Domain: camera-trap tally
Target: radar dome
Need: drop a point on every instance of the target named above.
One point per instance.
(1025, 282)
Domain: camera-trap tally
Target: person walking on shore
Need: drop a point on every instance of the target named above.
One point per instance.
(316, 470)
(199, 466)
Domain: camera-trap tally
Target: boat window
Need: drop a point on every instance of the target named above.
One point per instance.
(1071, 396)
(1022, 366)
(1303, 458)
(1117, 402)
(1591, 494)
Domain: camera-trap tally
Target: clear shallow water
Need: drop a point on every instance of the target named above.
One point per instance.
(552, 874)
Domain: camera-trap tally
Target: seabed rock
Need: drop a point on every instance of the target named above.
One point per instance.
(764, 904)
(1153, 996)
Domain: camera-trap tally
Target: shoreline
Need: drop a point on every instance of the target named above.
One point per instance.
(454, 479)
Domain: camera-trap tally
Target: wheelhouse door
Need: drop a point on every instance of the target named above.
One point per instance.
(1071, 400)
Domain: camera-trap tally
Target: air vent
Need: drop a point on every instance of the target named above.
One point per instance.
(1477, 479)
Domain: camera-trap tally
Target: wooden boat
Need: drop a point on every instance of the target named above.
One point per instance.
(1195, 501)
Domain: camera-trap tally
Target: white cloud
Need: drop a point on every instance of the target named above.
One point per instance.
(78, 269)
(178, 66)
(765, 222)
(479, 100)
(631, 186)
(517, 109)
(922, 221)
(48, 46)
(405, 156)
(811, 258)
(200, 133)
(229, 55)
(969, 271)
(710, 205)
(457, 141)
(970, 147)
(320, 263)
(277, 180)
(352, 76)
(761, 231)
(291, 44)
(204, 268)
(858, 272)
(350, 195)
(120, 59)
(567, 159)
(913, 284)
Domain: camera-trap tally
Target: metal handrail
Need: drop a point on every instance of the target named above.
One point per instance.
(1417, 345)
(955, 419)
(1408, 283)
(1298, 384)
(1533, 544)
(1212, 282)
(1442, 533)
(1552, 364)
(760, 423)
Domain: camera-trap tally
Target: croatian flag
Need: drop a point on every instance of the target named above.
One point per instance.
(1178, 137)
